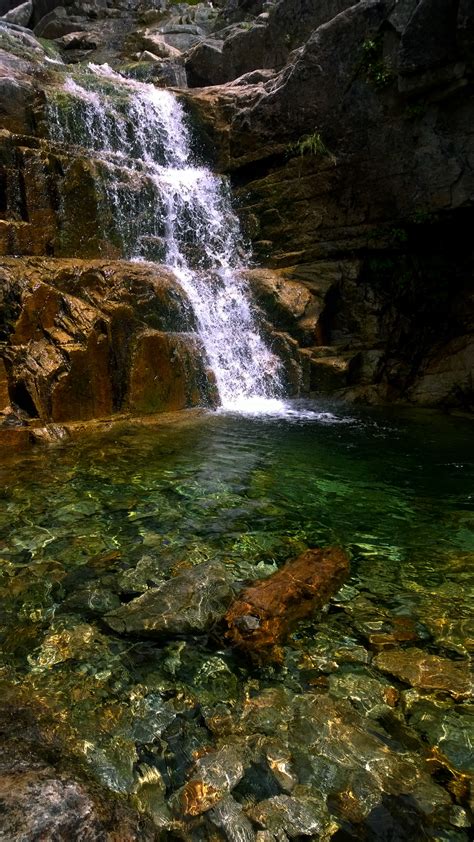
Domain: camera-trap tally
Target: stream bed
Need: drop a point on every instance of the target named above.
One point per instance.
(364, 731)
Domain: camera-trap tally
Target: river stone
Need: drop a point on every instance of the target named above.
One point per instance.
(229, 816)
(447, 728)
(42, 796)
(429, 672)
(296, 816)
(216, 774)
(190, 602)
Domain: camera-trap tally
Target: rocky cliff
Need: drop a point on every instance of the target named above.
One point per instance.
(349, 140)
(346, 130)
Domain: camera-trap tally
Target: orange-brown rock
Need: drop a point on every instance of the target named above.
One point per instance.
(428, 672)
(14, 438)
(85, 339)
(260, 619)
(168, 371)
(4, 396)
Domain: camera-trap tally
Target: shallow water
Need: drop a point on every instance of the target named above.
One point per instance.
(94, 522)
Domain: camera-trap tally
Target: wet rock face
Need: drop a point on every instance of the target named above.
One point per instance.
(259, 620)
(86, 339)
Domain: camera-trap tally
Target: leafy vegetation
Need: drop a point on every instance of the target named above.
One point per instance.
(311, 144)
(377, 69)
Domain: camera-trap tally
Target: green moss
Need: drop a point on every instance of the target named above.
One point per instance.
(50, 49)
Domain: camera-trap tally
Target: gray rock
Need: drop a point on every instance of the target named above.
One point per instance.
(21, 14)
(205, 65)
(190, 602)
(57, 23)
(229, 816)
(430, 37)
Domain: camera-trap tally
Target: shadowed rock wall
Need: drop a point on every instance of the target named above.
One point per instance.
(353, 167)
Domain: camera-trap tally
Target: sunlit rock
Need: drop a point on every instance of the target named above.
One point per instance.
(229, 815)
(296, 816)
(428, 672)
(216, 774)
(190, 602)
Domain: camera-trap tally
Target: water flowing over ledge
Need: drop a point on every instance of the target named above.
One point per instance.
(134, 127)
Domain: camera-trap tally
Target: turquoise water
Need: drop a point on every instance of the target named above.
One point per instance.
(93, 522)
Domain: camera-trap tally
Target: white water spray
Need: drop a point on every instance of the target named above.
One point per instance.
(139, 134)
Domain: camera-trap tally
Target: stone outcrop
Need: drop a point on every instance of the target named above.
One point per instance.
(86, 339)
(352, 161)
(264, 613)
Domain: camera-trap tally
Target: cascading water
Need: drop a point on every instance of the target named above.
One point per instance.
(160, 199)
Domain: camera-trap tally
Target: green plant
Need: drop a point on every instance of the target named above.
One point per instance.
(311, 144)
(419, 217)
(377, 69)
(399, 235)
(413, 111)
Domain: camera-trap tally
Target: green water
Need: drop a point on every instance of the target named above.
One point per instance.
(96, 521)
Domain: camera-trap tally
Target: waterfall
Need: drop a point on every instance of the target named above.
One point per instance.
(166, 207)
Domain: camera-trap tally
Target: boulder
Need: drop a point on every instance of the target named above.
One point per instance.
(57, 23)
(21, 14)
(190, 603)
(157, 45)
(261, 617)
(82, 40)
(85, 339)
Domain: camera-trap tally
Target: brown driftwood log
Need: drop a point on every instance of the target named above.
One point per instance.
(259, 620)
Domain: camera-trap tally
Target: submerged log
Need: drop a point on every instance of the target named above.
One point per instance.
(264, 613)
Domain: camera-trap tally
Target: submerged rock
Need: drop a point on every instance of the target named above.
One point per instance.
(262, 616)
(429, 672)
(230, 817)
(296, 816)
(190, 602)
(216, 775)
(44, 798)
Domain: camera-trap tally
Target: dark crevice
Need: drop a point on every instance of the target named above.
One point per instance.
(21, 397)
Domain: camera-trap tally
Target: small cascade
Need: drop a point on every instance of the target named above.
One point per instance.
(167, 209)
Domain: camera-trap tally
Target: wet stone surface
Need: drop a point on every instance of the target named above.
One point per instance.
(122, 699)
(190, 602)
